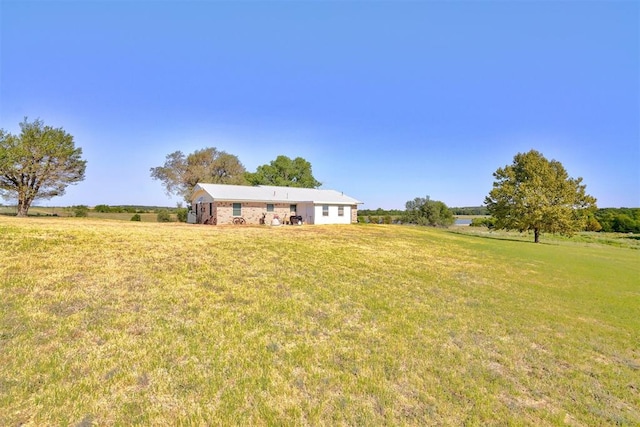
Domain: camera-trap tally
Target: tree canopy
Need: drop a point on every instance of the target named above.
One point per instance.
(424, 211)
(181, 173)
(284, 172)
(620, 220)
(38, 164)
(536, 194)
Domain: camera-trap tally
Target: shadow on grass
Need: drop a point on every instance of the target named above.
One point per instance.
(498, 237)
(622, 241)
(38, 215)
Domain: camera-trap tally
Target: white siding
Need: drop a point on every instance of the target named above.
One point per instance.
(202, 196)
(306, 211)
(333, 217)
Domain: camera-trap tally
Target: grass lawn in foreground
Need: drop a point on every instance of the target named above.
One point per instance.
(142, 323)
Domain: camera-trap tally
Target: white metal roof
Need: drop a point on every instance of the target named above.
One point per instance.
(266, 193)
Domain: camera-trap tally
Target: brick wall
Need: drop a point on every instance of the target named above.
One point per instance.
(251, 212)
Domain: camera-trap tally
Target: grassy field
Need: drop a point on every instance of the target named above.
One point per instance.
(121, 323)
(39, 211)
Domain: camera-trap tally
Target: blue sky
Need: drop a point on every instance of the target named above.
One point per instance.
(388, 100)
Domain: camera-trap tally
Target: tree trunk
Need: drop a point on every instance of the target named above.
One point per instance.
(536, 234)
(23, 207)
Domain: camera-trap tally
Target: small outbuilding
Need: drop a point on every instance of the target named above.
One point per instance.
(261, 204)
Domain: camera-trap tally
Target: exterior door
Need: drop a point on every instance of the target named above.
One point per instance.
(308, 215)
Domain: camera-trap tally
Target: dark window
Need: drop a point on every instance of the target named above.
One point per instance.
(325, 210)
(293, 208)
(269, 207)
(237, 209)
(340, 210)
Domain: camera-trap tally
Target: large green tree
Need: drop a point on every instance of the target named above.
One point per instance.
(181, 173)
(424, 211)
(536, 194)
(284, 172)
(39, 163)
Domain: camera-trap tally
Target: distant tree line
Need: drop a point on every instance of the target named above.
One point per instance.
(470, 210)
(610, 220)
(163, 214)
(619, 220)
(122, 209)
(380, 212)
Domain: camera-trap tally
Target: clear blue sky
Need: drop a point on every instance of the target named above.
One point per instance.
(388, 100)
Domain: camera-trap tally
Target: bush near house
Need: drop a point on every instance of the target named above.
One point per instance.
(181, 214)
(164, 216)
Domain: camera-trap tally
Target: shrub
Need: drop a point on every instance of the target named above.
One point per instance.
(164, 216)
(592, 224)
(102, 208)
(80, 211)
(136, 217)
(488, 222)
(181, 213)
(424, 211)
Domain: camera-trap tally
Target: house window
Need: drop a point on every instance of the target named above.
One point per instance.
(237, 209)
(325, 210)
(293, 208)
(270, 207)
(340, 210)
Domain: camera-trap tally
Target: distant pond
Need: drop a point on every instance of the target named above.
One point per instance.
(463, 221)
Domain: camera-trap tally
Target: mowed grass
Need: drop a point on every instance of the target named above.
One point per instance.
(120, 323)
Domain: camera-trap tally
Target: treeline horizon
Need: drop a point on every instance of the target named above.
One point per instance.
(467, 210)
(617, 220)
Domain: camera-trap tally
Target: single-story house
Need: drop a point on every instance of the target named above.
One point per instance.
(221, 204)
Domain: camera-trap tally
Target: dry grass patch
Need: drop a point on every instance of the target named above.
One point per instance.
(134, 323)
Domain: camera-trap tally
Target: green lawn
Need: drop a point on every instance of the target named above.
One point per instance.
(126, 323)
